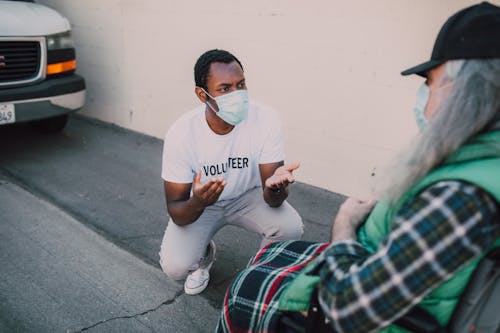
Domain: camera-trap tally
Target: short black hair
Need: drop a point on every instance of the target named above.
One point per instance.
(202, 66)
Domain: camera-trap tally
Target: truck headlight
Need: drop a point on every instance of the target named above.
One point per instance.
(61, 58)
(59, 41)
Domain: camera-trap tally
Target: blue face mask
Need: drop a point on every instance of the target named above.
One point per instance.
(420, 104)
(233, 107)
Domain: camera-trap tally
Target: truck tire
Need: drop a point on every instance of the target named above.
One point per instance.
(51, 125)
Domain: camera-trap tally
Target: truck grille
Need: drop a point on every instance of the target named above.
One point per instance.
(19, 62)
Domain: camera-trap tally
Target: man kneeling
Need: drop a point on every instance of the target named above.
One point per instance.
(222, 164)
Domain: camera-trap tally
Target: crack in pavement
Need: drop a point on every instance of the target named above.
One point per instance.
(167, 302)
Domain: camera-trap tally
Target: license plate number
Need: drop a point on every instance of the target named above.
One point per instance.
(7, 114)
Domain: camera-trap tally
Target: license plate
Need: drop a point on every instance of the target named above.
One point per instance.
(7, 114)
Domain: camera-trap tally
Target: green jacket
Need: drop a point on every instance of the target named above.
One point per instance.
(476, 162)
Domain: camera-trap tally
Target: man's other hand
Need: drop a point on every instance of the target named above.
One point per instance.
(208, 193)
(281, 177)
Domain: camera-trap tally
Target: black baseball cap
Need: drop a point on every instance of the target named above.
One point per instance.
(472, 33)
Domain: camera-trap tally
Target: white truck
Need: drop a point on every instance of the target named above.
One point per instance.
(37, 66)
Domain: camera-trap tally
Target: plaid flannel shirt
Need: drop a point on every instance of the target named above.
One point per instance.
(432, 237)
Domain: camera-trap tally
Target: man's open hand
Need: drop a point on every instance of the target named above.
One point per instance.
(208, 193)
(281, 177)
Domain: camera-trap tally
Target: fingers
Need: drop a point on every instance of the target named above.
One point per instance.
(215, 187)
(366, 204)
(353, 200)
(209, 192)
(214, 192)
(211, 185)
(283, 175)
(370, 203)
(287, 169)
(292, 167)
(355, 203)
(275, 182)
(355, 211)
(197, 178)
(203, 187)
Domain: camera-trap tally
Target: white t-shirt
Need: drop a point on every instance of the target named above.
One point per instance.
(190, 145)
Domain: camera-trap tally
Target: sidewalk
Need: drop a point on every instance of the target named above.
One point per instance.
(60, 276)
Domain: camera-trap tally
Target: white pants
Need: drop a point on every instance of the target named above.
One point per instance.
(183, 247)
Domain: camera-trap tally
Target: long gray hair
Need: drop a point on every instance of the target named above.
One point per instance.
(472, 107)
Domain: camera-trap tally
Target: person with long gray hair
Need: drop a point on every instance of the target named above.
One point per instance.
(471, 107)
(418, 244)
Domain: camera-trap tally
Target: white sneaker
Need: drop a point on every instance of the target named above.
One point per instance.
(197, 281)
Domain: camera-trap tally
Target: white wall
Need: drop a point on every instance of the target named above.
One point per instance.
(331, 68)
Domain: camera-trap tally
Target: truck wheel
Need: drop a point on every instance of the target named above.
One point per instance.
(51, 125)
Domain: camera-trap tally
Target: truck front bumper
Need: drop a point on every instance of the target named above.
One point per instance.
(49, 98)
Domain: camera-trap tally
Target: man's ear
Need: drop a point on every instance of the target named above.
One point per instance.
(202, 96)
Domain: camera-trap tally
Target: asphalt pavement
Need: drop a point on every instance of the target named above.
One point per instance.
(82, 214)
